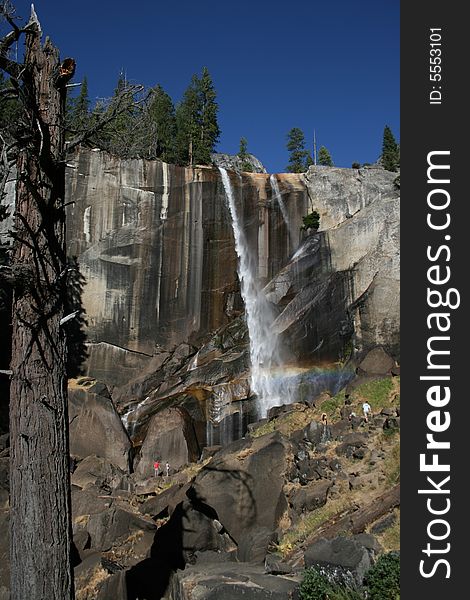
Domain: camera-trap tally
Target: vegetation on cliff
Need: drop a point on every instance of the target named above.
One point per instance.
(390, 151)
(143, 124)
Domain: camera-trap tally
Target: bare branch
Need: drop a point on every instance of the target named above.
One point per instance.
(10, 66)
(117, 107)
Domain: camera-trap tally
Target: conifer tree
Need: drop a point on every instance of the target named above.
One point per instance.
(196, 122)
(157, 135)
(390, 151)
(210, 131)
(187, 114)
(78, 109)
(298, 154)
(122, 129)
(243, 155)
(324, 157)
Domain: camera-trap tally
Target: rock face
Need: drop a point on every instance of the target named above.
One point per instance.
(235, 485)
(95, 428)
(345, 559)
(170, 437)
(360, 213)
(230, 582)
(234, 163)
(155, 244)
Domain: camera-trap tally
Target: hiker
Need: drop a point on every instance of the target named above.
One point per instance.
(167, 467)
(324, 419)
(366, 410)
(156, 468)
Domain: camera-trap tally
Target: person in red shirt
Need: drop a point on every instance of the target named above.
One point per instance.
(156, 467)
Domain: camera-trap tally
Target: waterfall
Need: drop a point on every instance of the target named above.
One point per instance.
(259, 315)
(285, 215)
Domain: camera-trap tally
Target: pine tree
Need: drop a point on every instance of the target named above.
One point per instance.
(78, 109)
(196, 122)
(122, 129)
(210, 131)
(243, 155)
(187, 115)
(157, 135)
(298, 154)
(324, 157)
(390, 151)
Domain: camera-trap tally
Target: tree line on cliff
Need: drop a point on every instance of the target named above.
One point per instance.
(150, 125)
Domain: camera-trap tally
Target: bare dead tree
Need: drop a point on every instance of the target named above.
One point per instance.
(40, 523)
(40, 527)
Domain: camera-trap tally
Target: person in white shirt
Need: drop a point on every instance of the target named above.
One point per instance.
(366, 410)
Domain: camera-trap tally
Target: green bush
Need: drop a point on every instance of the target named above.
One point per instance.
(382, 581)
(312, 220)
(314, 586)
(355, 165)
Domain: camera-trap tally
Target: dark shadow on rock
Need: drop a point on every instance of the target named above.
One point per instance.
(193, 529)
(149, 579)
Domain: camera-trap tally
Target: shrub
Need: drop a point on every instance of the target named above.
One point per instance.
(311, 221)
(382, 581)
(314, 586)
(355, 165)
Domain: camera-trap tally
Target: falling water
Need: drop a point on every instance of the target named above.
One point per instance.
(259, 316)
(285, 215)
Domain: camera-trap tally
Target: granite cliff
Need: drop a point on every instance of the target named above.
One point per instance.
(156, 247)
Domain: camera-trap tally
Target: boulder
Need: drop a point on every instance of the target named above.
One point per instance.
(164, 504)
(86, 502)
(314, 432)
(351, 444)
(230, 581)
(369, 542)
(255, 548)
(344, 559)
(392, 423)
(377, 362)
(114, 587)
(209, 452)
(114, 525)
(81, 540)
(310, 497)
(89, 576)
(170, 437)
(235, 483)
(95, 428)
(189, 531)
(275, 565)
(384, 523)
(97, 472)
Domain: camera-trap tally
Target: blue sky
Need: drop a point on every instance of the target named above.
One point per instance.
(328, 66)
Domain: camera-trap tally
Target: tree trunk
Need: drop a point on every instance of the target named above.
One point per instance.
(39, 477)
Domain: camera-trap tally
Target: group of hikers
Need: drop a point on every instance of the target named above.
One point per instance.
(156, 468)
